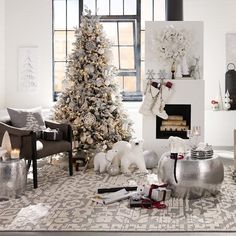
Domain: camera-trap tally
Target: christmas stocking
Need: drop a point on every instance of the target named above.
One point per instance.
(149, 99)
(158, 108)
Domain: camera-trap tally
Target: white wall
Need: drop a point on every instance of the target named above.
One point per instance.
(132, 109)
(2, 53)
(219, 19)
(29, 23)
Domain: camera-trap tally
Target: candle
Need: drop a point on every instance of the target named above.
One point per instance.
(15, 153)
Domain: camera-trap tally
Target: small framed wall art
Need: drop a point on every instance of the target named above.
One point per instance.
(28, 69)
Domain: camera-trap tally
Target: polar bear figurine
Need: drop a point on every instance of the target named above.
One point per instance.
(130, 153)
(121, 147)
(177, 145)
(102, 160)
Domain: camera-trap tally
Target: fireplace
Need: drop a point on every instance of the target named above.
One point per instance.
(177, 124)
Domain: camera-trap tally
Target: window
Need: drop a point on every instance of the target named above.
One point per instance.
(124, 24)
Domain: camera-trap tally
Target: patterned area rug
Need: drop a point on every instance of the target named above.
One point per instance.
(64, 203)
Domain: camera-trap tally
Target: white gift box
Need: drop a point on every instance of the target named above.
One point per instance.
(157, 194)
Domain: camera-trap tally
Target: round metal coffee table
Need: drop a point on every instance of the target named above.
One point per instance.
(12, 178)
(196, 177)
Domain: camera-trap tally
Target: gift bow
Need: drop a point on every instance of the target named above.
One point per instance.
(155, 204)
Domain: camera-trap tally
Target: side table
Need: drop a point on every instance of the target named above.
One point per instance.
(13, 176)
(196, 177)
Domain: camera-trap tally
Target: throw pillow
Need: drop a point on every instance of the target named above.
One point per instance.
(30, 119)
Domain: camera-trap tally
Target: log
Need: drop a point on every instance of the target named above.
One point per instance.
(175, 118)
(174, 122)
(173, 128)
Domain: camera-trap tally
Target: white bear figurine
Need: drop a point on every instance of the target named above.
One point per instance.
(121, 147)
(130, 153)
(177, 145)
(102, 160)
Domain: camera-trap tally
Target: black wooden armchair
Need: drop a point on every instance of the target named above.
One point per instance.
(25, 141)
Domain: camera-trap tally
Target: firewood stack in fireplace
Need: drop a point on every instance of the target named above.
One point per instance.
(174, 123)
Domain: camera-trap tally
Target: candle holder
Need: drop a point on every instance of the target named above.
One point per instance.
(15, 154)
(193, 135)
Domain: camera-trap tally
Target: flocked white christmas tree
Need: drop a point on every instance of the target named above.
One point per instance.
(91, 101)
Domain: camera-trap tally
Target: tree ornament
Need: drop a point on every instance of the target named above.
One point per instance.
(83, 137)
(89, 119)
(101, 51)
(90, 46)
(99, 82)
(151, 159)
(89, 69)
(113, 170)
(89, 140)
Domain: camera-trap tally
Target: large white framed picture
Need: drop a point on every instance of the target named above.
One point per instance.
(175, 47)
(28, 69)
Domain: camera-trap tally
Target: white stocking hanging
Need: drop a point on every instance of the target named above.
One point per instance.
(164, 94)
(149, 99)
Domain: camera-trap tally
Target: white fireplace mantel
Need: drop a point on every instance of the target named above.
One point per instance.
(184, 92)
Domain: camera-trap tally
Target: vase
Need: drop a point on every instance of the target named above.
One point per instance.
(220, 101)
(178, 72)
(185, 70)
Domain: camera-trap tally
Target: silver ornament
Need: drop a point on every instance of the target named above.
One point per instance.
(89, 140)
(83, 137)
(107, 82)
(89, 119)
(101, 51)
(89, 69)
(90, 46)
(99, 82)
(151, 159)
(113, 170)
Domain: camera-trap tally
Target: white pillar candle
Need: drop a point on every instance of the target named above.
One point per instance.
(15, 153)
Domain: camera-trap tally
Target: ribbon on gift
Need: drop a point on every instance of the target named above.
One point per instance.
(54, 131)
(155, 204)
(154, 186)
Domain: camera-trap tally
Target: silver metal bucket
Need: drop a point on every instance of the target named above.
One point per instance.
(12, 178)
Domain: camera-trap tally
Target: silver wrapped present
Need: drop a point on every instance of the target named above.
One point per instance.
(157, 194)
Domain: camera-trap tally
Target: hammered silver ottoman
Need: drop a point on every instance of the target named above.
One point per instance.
(196, 177)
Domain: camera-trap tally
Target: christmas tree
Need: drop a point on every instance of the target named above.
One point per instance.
(90, 101)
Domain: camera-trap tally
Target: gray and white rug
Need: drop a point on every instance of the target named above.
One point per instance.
(64, 203)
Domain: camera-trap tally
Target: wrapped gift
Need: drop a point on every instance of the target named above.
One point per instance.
(52, 134)
(139, 203)
(157, 193)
